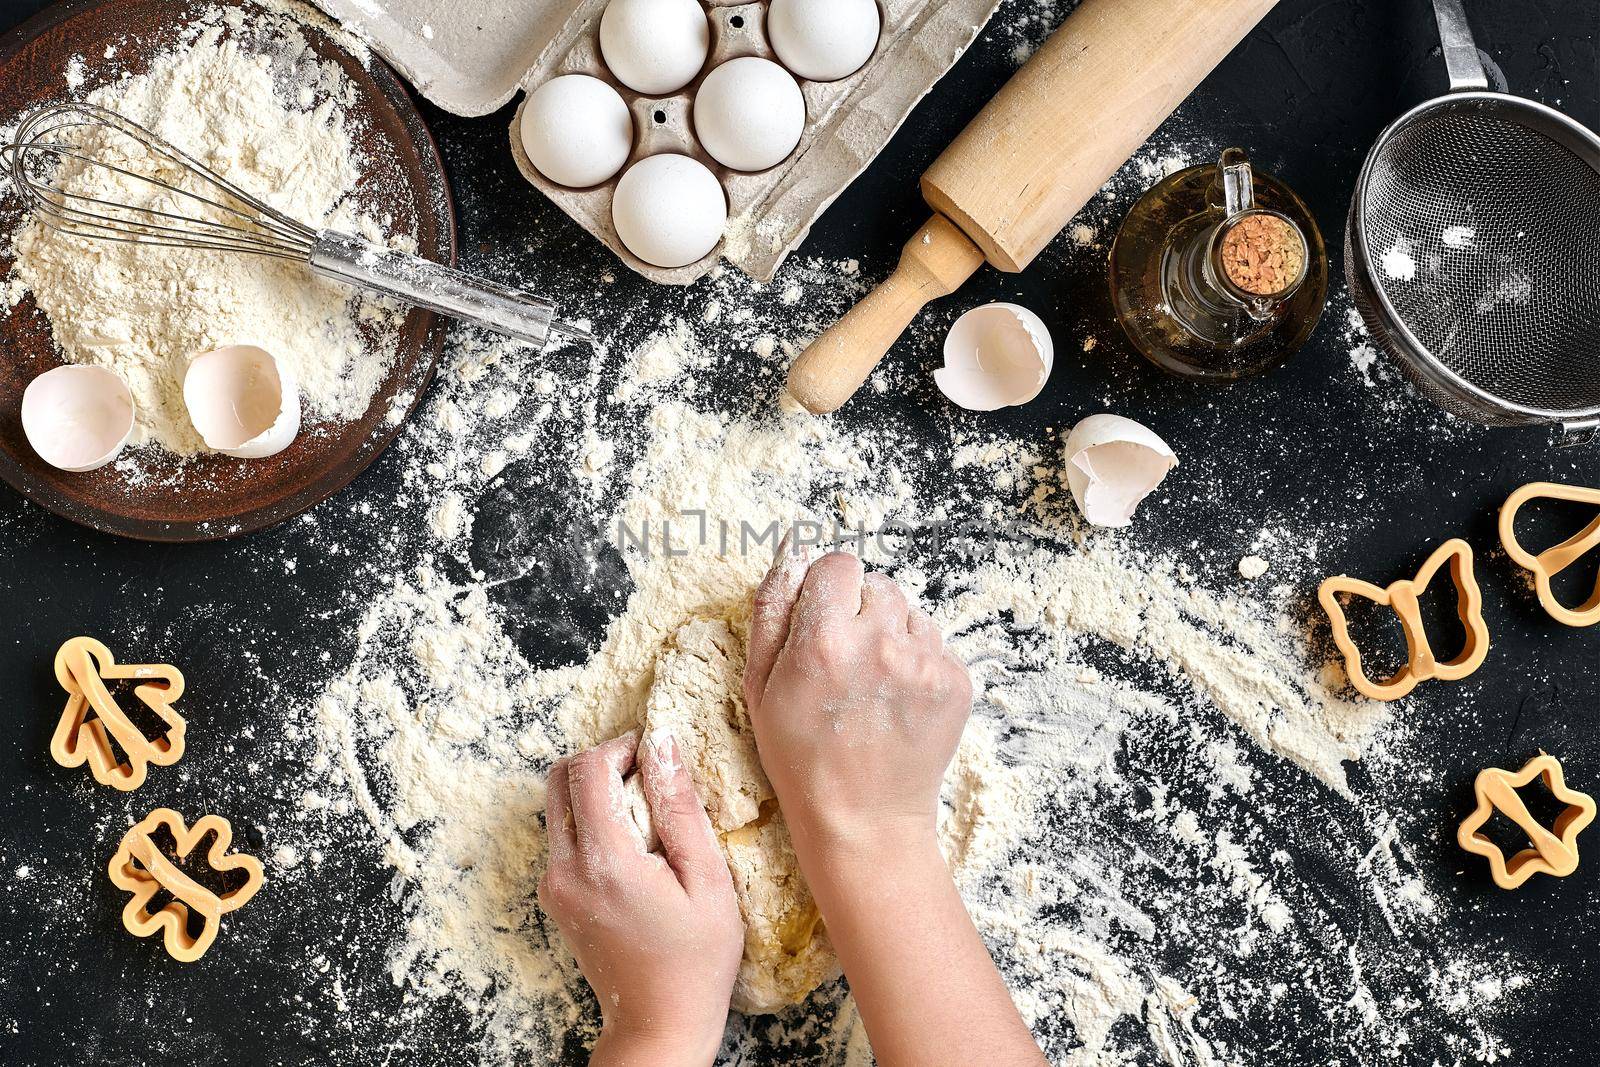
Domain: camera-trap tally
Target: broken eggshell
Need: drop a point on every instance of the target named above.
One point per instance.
(995, 356)
(77, 418)
(1112, 464)
(242, 402)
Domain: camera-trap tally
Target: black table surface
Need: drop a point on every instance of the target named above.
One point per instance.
(1306, 93)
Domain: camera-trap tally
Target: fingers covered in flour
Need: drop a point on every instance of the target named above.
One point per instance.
(558, 816)
(769, 617)
(831, 595)
(681, 822)
(883, 603)
(601, 823)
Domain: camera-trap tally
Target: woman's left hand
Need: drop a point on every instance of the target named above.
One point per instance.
(658, 936)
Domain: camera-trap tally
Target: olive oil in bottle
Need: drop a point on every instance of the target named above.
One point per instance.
(1219, 271)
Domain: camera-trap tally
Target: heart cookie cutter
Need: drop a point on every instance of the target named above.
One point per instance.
(1404, 596)
(1554, 851)
(83, 666)
(142, 868)
(1557, 558)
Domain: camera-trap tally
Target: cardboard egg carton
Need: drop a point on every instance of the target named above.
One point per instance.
(466, 67)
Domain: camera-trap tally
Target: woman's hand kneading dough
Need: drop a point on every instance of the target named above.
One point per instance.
(658, 939)
(858, 708)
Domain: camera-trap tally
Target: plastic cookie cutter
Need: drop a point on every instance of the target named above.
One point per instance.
(94, 727)
(1557, 558)
(1403, 596)
(1555, 851)
(146, 868)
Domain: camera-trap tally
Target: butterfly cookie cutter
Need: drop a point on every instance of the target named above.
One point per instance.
(143, 868)
(1403, 596)
(1557, 558)
(1554, 851)
(93, 726)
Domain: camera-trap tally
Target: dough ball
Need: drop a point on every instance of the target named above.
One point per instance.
(654, 46)
(823, 40)
(640, 819)
(577, 130)
(749, 114)
(697, 698)
(669, 210)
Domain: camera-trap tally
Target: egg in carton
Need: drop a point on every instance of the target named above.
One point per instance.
(472, 56)
(848, 120)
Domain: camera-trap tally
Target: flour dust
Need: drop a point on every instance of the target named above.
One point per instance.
(1140, 814)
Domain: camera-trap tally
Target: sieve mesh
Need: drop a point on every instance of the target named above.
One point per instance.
(1484, 235)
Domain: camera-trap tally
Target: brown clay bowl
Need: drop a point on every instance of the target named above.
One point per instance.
(209, 497)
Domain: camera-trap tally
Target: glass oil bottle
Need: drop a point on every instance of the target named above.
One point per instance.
(1219, 271)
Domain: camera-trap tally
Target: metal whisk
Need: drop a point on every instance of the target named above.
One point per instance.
(194, 207)
(1473, 250)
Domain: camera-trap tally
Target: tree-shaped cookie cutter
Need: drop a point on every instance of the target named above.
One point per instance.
(142, 868)
(1554, 851)
(1403, 596)
(93, 726)
(1557, 558)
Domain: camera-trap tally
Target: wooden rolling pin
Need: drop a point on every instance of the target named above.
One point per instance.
(1063, 125)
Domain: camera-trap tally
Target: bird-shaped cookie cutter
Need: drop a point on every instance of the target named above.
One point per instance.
(1553, 851)
(1404, 597)
(1557, 558)
(142, 868)
(93, 726)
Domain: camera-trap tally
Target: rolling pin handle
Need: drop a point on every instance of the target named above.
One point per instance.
(937, 260)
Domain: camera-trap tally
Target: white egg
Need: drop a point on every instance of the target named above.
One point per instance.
(77, 418)
(655, 46)
(577, 130)
(749, 114)
(823, 40)
(669, 210)
(242, 402)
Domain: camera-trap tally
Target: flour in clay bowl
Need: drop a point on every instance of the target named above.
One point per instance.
(247, 93)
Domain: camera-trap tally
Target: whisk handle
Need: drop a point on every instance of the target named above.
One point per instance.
(426, 284)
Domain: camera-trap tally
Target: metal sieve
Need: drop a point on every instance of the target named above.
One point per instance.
(1473, 250)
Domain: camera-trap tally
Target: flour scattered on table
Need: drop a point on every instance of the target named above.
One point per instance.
(1128, 815)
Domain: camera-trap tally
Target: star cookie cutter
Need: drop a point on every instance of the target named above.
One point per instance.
(1555, 851)
(1557, 558)
(94, 726)
(143, 868)
(1403, 596)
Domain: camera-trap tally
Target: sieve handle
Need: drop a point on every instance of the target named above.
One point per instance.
(1578, 434)
(1460, 50)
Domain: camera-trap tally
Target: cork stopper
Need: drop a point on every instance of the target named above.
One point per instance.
(1263, 254)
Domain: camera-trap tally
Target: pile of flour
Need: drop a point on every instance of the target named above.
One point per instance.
(247, 97)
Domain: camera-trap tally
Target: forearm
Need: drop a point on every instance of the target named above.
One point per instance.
(922, 978)
(620, 1046)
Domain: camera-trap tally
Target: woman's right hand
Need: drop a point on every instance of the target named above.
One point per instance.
(857, 704)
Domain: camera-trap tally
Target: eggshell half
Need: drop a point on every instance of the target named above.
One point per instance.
(242, 402)
(1112, 464)
(996, 356)
(77, 418)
